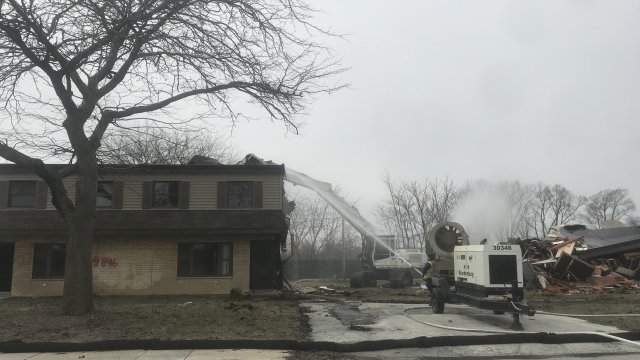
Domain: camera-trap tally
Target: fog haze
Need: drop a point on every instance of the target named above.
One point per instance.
(498, 90)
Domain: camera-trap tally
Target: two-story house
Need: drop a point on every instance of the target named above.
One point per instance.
(160, 229)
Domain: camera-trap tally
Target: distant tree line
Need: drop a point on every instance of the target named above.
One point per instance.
(317, 231)
(509, 209)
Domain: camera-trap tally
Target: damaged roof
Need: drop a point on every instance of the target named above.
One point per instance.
(603, 242)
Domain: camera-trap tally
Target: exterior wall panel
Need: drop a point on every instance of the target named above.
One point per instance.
(203, 189)
(142, 267)
(132, 261)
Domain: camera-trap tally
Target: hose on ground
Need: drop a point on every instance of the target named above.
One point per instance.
(586, 315)
(617, 338)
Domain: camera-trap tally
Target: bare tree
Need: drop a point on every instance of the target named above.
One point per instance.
(70, 70)
(153, 145)
(313, 226)
(413, 208)
(519, 199)
(610, 204)
(398, 214)
(540, 208)
(564, 205)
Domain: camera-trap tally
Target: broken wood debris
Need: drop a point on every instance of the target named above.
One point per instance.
(555, 265)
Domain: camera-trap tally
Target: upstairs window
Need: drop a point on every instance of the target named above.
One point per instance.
(22, 194)
(205, 259)
(165, 194)
(239, 194)
(161, 194)
(48, 261)
(104, 196)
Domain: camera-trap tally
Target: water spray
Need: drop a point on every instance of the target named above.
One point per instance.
(348, 212)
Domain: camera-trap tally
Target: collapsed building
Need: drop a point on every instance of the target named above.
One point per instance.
(573, 258)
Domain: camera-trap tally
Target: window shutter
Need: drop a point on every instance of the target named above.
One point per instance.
(184, 195)
(41, 195)
(4, 194)
(257, 194)
(146, 194)
(222, 194)
(118, 194)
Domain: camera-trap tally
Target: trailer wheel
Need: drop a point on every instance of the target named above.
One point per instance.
(369, 279)
(437, 300)
(357, 280)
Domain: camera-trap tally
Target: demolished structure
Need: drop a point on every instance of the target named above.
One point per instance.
(574, 259)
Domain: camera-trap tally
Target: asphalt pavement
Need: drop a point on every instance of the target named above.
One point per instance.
(357, 322)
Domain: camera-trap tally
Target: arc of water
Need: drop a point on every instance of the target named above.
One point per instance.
(348, 212)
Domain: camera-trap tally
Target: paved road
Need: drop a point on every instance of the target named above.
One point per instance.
(355, 322)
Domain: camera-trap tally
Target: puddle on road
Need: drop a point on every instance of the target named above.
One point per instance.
(351, 316)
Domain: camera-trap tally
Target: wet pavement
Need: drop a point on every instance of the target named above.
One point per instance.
(356, 322)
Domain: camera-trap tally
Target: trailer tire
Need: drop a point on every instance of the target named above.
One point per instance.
(357, 280)
(437, 300)
(370, 281)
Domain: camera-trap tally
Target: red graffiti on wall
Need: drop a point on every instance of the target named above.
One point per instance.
(104, 261)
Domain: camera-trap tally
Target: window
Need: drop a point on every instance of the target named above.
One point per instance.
(104, 197)
(165, 194)
(22, 194)
(48, 261)
(205, 259)
(240, 194)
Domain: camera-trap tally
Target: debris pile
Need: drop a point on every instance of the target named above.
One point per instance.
(569, 265)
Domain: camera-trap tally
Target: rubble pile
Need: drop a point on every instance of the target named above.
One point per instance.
(561, 264)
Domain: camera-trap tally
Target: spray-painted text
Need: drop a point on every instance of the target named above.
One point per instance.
(104, 261)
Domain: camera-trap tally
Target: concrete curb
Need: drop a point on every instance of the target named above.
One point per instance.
(296, 345)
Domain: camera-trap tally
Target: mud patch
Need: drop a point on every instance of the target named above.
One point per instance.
(353, 317)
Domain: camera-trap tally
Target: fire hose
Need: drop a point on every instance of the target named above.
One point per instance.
(609, 336)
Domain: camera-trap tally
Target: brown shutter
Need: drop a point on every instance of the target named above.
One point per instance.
(184, 195)
(146, 194)
(222, 194)
(4, 194)
(257, 194)
(118, 195)
(41, 195)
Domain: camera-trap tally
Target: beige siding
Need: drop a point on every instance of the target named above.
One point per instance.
(203, 189)
(272, 193)
(271, 189)
(23, 284)
(142, 267)
(70, 185)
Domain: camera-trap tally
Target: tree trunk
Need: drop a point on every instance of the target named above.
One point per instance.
(78, 281)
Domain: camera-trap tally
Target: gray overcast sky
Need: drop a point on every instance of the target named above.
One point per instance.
(499, 90)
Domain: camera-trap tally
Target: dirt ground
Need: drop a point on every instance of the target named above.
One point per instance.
(221, 317)
(147, 317)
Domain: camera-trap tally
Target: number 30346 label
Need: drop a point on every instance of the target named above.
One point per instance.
(501, 247)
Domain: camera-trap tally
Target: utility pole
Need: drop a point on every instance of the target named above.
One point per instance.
(344, 251)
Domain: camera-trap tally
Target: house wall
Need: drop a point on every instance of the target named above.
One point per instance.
(142, 267)
(203, 193)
